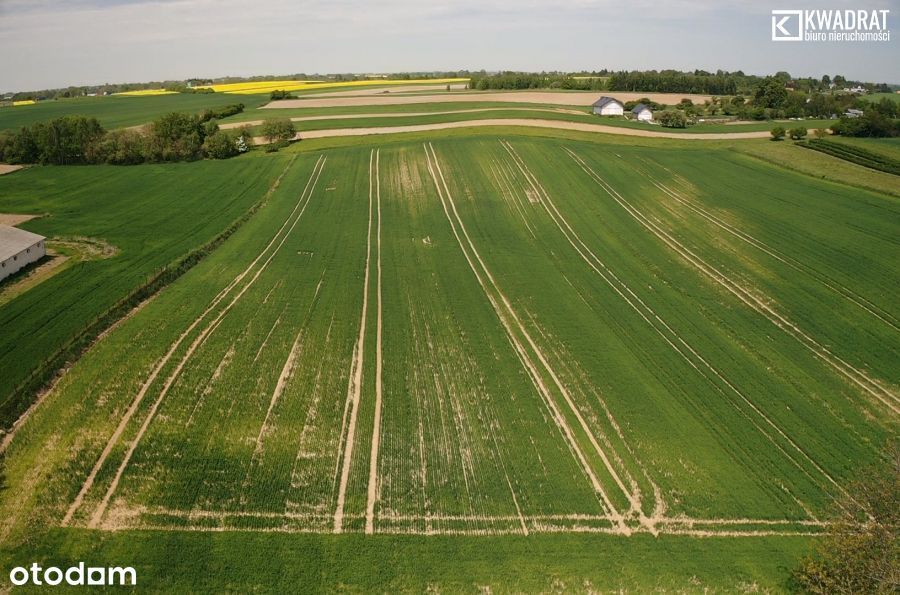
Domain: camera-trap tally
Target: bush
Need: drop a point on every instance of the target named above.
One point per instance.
(798, 133)
(778, 133)
(278, 94)
(279, 130)
(859, 553)
(222, 112)
(220, 145)
(871, 124)
(672, 119)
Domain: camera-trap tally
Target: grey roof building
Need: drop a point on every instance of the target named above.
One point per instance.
(19, 248)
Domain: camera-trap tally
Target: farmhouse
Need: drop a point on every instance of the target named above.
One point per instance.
(642, 112)
(607, 106)
(853, 113)
(18, 248)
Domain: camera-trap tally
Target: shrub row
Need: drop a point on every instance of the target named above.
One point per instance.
(855, 155)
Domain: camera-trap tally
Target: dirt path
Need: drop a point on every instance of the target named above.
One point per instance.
(13, 219)
(535, 123)
(582, 98)
(376, 429)
(560, 110)
(354, 386)
(6, 168)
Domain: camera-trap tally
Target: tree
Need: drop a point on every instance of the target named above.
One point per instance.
(279, 130)
(220, 145)
(861, 549)
(175, 137)
(244, 139)
(123, 147)
(770, 93)
(778, 133)
(672, 119)
(798, 133)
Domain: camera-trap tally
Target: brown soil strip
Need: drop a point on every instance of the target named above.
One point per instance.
(6, 168)
(354, 386)
(15, 218)
(581, 98)
(232, 125)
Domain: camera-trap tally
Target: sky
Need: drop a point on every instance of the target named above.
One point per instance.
(55, 43)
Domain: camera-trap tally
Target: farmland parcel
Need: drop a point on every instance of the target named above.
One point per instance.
(645, 350)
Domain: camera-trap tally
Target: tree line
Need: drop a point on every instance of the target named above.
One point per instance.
(76, 140)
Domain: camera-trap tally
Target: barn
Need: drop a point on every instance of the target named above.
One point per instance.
(641, 112)
(19, 248)
(607, 106)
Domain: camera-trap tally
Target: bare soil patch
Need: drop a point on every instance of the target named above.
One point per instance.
(14, 218)
(6, 168)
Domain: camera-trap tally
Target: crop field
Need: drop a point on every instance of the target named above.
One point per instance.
(148, 217)
(493, 336)
(120, 111)
(253, 87)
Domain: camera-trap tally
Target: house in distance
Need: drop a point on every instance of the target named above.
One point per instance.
(19, 248)
(641, 112)
(607, 106)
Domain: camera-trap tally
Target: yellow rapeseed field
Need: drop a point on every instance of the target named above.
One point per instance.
(24, 102)
(145, 92)
(269, 86)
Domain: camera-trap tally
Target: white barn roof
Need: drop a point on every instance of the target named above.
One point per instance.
(13, 240)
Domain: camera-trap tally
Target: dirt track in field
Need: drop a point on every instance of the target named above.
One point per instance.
(232, 125)
(536, 123)
(14, 219)
(6, 168)
(546, 97)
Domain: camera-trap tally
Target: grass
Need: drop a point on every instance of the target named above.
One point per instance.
(118, 111)
(153, 215)
(553, 310)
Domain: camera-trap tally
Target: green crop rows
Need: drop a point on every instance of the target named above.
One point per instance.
(488, 338)
(855, 154)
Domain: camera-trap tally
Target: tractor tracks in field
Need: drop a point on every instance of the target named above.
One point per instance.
(268, 253)
(834, 286)
(871, 386)
(514, 329)
(355, 382)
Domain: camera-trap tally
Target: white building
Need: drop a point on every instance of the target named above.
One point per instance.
(607, 106)
(19, 248)
(641, 112)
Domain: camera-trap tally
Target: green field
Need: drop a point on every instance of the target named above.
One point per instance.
(482, 360)
(153, 216)
(119, 112)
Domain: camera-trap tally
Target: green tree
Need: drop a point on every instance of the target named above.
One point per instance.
(770, 93)
(278, 130)
(175, 137)
(672, 119)
(861, 550)
(798, 133)
(123, 147)
(778, 133)
(220, 145)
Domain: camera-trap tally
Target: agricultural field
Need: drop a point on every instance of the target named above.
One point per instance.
(145, 219)
(511, 350)
(255, 87)
(119, 111)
